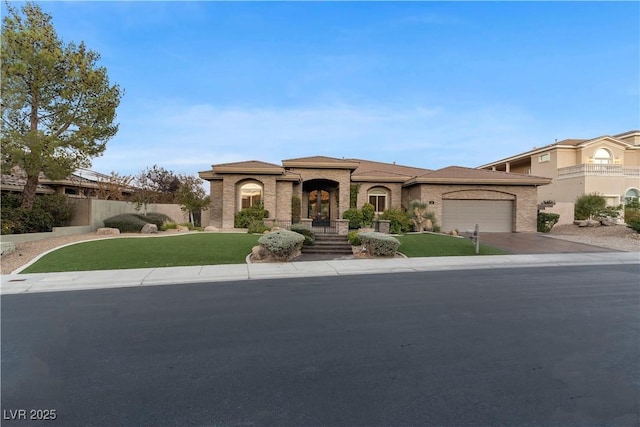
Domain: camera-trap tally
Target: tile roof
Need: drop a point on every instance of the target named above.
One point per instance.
(318, 159)
(371, 168)
(249, 164)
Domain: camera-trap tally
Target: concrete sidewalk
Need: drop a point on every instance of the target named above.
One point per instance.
(70, 281)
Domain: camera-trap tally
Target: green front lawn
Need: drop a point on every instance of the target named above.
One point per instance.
(432, 245)
(136, 252)
(210, 249)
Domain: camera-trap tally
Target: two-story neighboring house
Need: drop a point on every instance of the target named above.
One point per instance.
(607, 165)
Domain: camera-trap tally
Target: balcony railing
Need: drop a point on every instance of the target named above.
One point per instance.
(599, 170)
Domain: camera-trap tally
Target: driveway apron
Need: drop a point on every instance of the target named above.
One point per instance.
(536, 243)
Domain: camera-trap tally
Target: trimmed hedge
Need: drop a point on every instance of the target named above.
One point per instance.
(378, 244)
(309, 235)
(126, 223)
(159, 219)
(354, 238)
(354, 216)
(245, 217)
(282, 244)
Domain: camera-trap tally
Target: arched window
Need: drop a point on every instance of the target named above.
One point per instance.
(631, 195)
(378, 198)
(250, 195)
(602, 156)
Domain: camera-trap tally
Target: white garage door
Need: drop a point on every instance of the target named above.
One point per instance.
(490, 215)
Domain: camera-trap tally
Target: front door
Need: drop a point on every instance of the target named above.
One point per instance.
(319, 207)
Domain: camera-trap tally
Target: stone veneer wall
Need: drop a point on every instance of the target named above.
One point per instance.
(341, 176)
(215, 209)
(525, 199)
(230, 197)
(284, 191)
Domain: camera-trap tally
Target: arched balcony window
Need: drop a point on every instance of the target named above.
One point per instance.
(602, 156)
(250, 195)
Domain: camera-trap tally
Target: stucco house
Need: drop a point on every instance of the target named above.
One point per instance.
(460, 197)
(608, 165)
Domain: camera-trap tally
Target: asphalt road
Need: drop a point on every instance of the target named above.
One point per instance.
(512, 347)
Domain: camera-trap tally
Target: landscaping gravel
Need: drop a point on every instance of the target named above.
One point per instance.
(618, 237)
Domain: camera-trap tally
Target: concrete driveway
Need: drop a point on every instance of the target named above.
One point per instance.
(536, 243)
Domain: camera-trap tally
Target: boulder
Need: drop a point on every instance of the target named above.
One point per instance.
(7, 247)
(593, 223)
(258, 253)
(210, 228)
(149, 229)
(182, 228)
(106, 231)
(608, 221)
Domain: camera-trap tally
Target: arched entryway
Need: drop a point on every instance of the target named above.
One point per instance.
(320, 198)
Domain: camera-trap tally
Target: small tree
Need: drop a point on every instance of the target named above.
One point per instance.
(155, 185)
(588, 205)
(58, 107)
(368, 215)
(112, 187)
(594, 206)
(192, 196)
(296, 211)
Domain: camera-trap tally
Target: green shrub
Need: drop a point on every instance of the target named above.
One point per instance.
(10, 201)
(169, 226)
(588, 205)
(631, 212)
(309, 235)
(256, 227)
(400, 221)
(368, 214)
(354, 216)
(354, 238)
(58, 206)
(354, 189)
(378, 244)
(159, 218)
(546, 221)
(21, 221)
(634, 224)
(244, 218)
(126, 223)
(150, 220)
(282, 244)
(48, 211)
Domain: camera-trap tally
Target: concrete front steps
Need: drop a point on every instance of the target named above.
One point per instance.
(329, 244)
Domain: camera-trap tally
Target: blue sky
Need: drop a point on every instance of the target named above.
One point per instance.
(425, 84)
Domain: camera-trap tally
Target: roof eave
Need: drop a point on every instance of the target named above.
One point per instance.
(472, 181)
(247, 171)
(305, 164)
(524, 156)
(391, 179)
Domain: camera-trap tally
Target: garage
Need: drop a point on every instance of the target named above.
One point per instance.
(490, 215)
